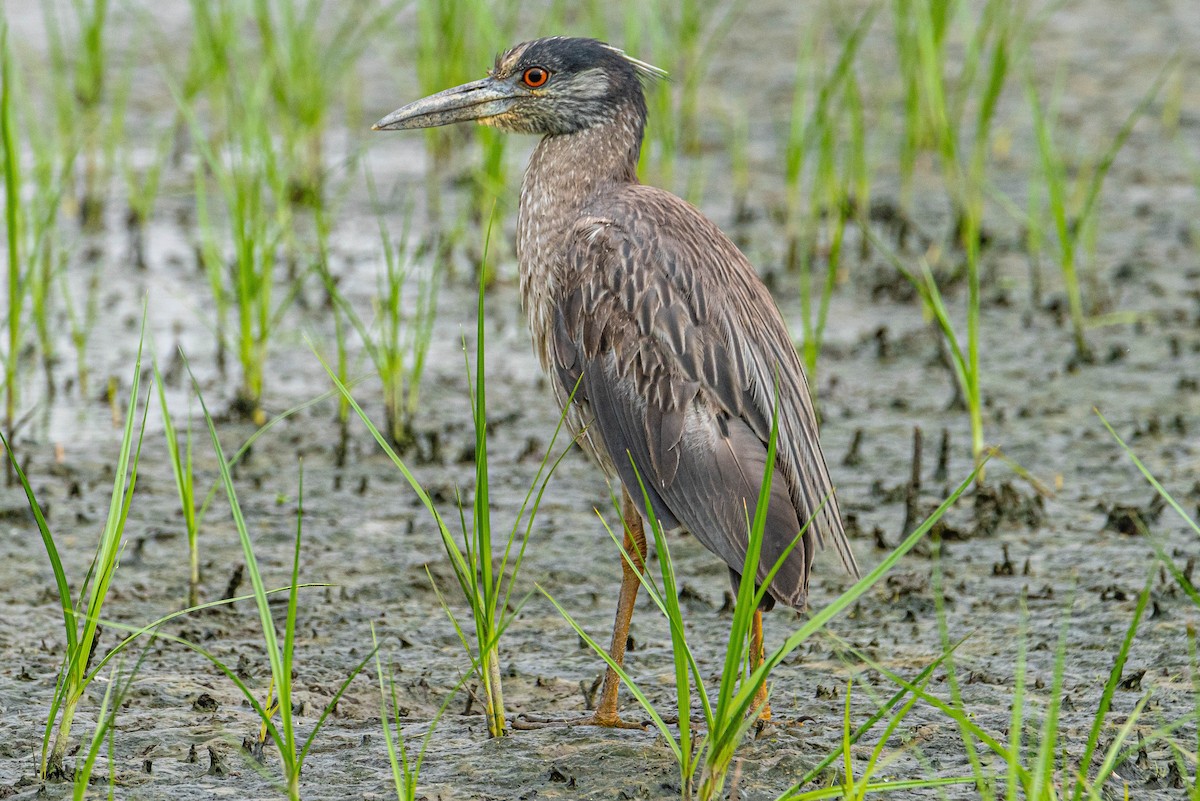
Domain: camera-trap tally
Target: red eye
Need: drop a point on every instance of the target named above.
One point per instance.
(535, 77)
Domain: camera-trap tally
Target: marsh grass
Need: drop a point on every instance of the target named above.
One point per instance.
(82, 621)
(832, 193)
(80, 67)
(1030, 762)
(45, 249)
(405, 767)
(104, 731)
(398, 343)
(481, 580)
(292, 749)
(312, 48)
(444, 58)
(856, 788)
(253, 182)
(935, 111)
(935, 103)
(116, 691)
(853, 735)
(81, 618)
(1075, 222)
(705, 759)
(185, 486)
(403, 343)
(962, 356)
(451, 38)
(342, 310)
(143, 183)
(36, 248)
(9, 137)
(216, 46)
(81, 322)
(485, 577)
(681, 38)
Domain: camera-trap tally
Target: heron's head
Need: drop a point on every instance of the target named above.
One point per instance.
(556, 85)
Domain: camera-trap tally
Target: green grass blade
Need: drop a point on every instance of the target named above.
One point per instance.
(920, 680)
(1016, 721)
(328, 710)
(60, 576)
(1145, 471)
(818, 621)
(266, 622)
(1110, 686)
(136, 632)
(883, 787)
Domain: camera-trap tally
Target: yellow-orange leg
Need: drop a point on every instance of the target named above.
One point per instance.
(756, 659)
(606, 711)
(635, 547)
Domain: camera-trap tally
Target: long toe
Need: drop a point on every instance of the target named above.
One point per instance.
(525, 722)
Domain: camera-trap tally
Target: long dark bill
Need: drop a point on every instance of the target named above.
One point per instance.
(471, 101)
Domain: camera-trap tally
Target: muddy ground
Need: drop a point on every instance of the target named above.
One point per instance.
(880, 376)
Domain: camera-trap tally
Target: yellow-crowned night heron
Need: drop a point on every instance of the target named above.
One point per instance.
(639, 301)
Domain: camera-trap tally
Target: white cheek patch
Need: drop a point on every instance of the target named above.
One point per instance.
(589, 84)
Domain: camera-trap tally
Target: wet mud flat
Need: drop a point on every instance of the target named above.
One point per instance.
(1012, 562)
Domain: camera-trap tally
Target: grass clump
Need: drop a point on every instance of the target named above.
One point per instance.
(403, 342)
(253, 183)
(850, 786)
(81, 94)
(1075, 225)
(311, 48)
(398, 343)
(935, 111)
(406, 768)
(826, 133)
(682, 39)
(280, 654)
(1031, 761)
(856, 788)
(116, 690)
(81, 618)
(450, 36)
(485, 574)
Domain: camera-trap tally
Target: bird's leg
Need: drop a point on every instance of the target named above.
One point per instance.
(756, 659)
(635, 548)
(606, 713)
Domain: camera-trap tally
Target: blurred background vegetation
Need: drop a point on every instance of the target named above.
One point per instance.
(909, 133)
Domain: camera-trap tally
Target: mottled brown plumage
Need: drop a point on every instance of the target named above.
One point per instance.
(641, 302)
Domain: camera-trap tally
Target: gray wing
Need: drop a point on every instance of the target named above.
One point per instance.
(678, 346)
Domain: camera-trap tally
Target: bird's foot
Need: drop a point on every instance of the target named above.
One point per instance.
(527, 722)
(673, 720)
(764, 729)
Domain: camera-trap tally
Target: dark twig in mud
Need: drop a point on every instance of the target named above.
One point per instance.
(943, 463)
(912, 497)
(853, 458)
(589, 691)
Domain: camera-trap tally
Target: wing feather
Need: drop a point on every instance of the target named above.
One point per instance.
(680, 348)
